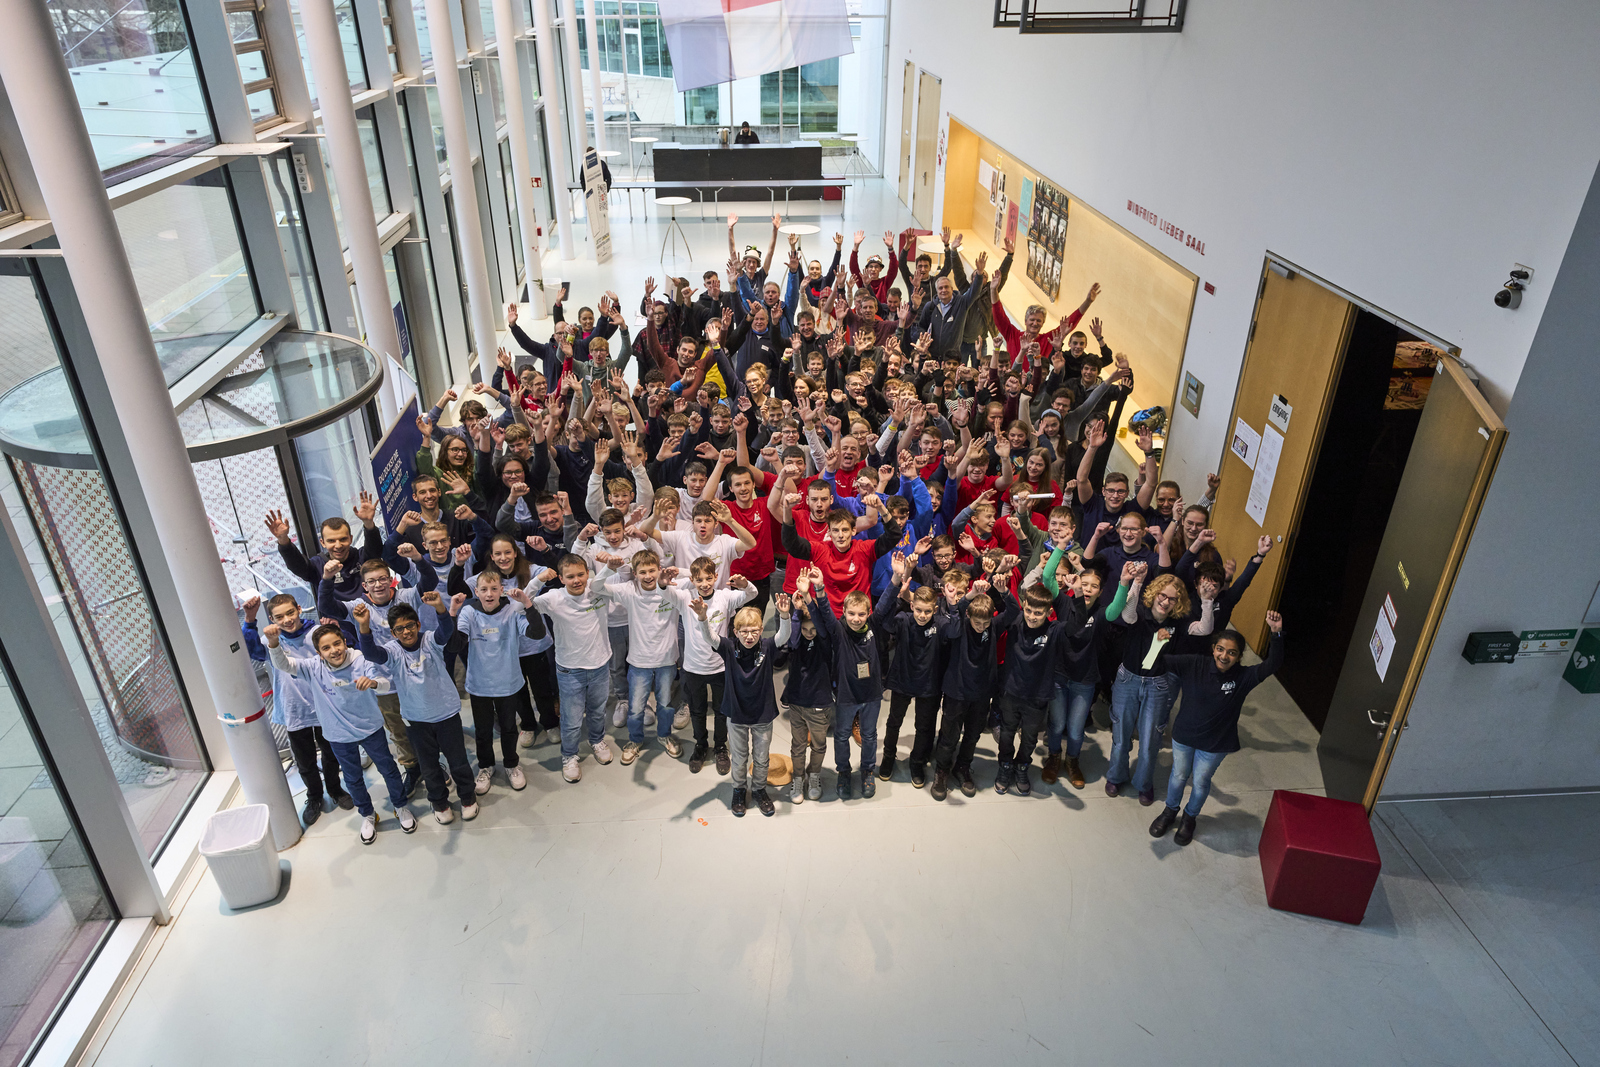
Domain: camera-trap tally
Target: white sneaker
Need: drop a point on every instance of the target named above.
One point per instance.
(485, 776)
(444, 816)
(569, 769)
(408, 821)
(797, 789)
(620, 716)
(369, 828)
(526, 738)
(680, 721)
(672, 745)
(603, 752)
(630, 752)
(518, 779)
(469, 811)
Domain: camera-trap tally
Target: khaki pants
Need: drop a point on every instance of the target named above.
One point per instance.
(813, 727)
(389, 704)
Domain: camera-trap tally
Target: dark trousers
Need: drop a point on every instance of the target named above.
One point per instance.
(540, 671)
(1022, 717)
(348, 754)
(489, 712)
(926, 720)
(959, 730)
(455, 651)
(305, 744)
(444, 738)
(845, 718)
(695, 687)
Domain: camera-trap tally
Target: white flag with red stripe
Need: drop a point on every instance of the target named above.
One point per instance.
(714, 41)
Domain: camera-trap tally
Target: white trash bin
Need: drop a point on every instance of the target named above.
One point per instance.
(237, 845)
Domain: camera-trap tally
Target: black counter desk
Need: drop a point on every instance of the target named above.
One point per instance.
(799, 160)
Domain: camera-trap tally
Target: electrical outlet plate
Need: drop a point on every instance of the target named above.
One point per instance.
(1529, 279)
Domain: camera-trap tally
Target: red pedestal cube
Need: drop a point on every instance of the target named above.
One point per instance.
(1318, 856)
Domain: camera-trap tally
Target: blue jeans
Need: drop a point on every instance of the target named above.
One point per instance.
(583, 701)
(1139, 705)
(348, 753)
(1069, 714)
(1190, 763)
(641, 680)
(846, 718)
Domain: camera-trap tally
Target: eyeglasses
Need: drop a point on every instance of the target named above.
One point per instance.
(376, 583)
(1165, 598)
(405, 628)
(748, 632)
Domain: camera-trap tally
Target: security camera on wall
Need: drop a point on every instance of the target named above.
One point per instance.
(1510, 294)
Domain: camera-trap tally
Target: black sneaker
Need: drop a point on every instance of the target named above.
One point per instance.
(697, 758)
(1002, 778)
(1163, 822)
(412, 778)
(941, 784)
(738, 803)
(843, 786)
(344, 802)
(311, 812)
(869, 785)
(1023, 785)
(1185, 832)
(764, 802)
(886, 768)
(969, 788)
(724, 761)
(918, 776)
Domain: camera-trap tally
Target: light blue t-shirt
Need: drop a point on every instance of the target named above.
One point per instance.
(293, 703)
(426, 690)
(346, 712)
(494, 647)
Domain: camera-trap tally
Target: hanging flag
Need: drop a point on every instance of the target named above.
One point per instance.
(713, 41)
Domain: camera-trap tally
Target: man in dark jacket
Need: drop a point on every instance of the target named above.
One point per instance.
(945, 315)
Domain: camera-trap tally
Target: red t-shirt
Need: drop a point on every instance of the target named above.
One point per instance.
(967, 490)
(843, 572)
(756, 563)
(844, 479)
(810, 531)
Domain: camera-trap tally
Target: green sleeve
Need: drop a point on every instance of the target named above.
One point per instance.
(1118, 602)
(1049, 575)
(425, 461)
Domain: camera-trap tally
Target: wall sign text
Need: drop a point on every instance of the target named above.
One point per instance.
(1188, 240)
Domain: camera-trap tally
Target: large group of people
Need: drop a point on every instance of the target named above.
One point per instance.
(866, 476)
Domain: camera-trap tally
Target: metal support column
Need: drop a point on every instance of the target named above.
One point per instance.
(508, 27)
(350, 175)
(594, 76)
(128, 406)
(550, 84)
(469, 226)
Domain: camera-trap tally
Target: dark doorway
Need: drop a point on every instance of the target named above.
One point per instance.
(1372, 419)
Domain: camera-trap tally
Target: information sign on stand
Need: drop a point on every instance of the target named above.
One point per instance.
(594, 199)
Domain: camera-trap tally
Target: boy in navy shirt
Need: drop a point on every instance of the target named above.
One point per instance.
(970, 677)
(857, 683)
(1031, 658)
(914, 672)
(808, 689)
(749, 701)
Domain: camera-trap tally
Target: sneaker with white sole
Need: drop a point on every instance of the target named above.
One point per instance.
(369, 828)
(797, 789)
(485, 776)
(444, 816)
(518, 779)
(673, 746)
(527, 738)
(680, 721)
(469, 811)
(603, 751)
(620, 715)
(569, 769)
(408, 821)
(630, 752)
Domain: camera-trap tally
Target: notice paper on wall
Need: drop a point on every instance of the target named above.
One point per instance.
(1246, 443)
(986, 180)
(1382, 645)
(1255, 505)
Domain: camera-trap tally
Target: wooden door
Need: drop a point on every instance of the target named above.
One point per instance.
(1447, 473)
(907, 131)
(1296, 348)
(927, 150)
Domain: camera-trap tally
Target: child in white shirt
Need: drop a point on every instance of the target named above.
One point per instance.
(702, 663)
(579, 611)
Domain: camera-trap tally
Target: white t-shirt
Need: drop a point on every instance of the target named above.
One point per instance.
(604, 572)
(724, 548)
(580, 625)
(652, 619)
(698, 656)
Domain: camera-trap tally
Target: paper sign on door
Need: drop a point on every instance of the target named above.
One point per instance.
(1382, 645)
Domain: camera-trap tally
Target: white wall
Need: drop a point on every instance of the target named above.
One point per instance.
(1407, 152)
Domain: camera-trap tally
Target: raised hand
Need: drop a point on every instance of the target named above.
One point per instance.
(331, 569)
(278, 526)
(362, 615)
(588, 532)
(366, 508)
(456, 601)
(1213, 483)
(1263, 545)
(1275, 622)
(462, 554)
(538, 544)
(698, 606)
(407, 550)
(860, 235)
(923, 547)
(782, 603)
(433, 599)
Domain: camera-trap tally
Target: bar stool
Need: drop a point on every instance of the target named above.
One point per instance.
(854, 166)
(644, 141)
(674, 229)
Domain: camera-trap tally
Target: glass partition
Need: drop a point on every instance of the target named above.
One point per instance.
(367, 129)
(134, 74)
(189, 264)
(355, 65)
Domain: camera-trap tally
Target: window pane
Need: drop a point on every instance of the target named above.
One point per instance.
(263, 105)
(343, 11)
(368, 129)
(252, 66)
(296, 244)
(486, 7)
(134, 74)
(510, 181)
(402, 321)
(700, 106)
(53, 911)
(819, 96)
(650, 38)
(419, 11)
(242, 26)
(790, 94)
(191, 271)
(436, 119)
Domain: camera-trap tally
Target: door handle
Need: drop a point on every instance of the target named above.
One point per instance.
(1381, 722)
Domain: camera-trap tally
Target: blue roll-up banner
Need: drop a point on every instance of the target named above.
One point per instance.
(394, 466)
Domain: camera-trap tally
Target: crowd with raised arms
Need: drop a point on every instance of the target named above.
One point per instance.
(862, 474)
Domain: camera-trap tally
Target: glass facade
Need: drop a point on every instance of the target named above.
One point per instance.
(355, 65)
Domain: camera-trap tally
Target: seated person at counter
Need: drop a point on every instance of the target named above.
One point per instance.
(746, 135)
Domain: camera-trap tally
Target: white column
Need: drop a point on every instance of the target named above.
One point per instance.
(594, 77)
(464, 191)
(550, 90)
(355, 195)
(576, 126)
(46, 107)
(507, 28)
